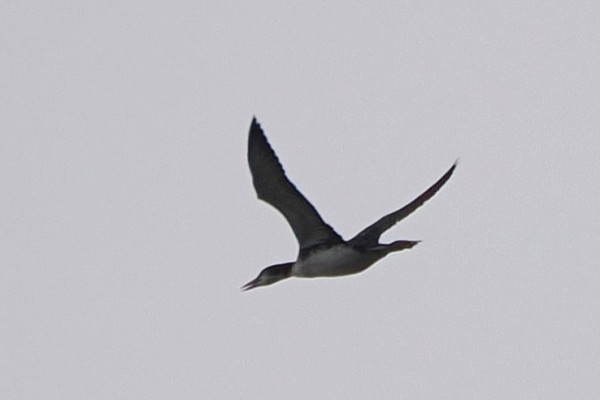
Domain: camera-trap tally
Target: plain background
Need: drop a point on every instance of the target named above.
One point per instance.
(128, 220)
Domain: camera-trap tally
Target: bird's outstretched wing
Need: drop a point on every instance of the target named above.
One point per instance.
(274, 187)
(370, 235)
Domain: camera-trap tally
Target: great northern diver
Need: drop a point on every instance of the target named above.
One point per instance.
(322, 251)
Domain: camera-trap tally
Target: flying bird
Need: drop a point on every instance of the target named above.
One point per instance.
(323, 252)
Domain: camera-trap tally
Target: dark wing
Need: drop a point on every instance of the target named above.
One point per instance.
(370, 235)
(272, 186)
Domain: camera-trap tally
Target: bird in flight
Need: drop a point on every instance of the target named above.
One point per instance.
(323, 252)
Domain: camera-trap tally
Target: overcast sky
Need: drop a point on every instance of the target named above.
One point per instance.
(128, 220)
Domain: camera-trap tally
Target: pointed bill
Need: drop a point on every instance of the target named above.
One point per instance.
(250, 285)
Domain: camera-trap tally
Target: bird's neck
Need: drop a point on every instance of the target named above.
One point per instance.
(282, 271)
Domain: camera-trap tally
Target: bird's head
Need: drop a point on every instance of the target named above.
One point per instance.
(270, 275)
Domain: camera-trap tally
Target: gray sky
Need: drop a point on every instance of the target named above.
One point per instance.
(128, 220)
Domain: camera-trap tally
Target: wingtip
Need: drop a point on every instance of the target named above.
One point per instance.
(453, 167)
(255, 126)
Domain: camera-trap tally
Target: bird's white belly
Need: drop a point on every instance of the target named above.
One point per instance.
(335, 261)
